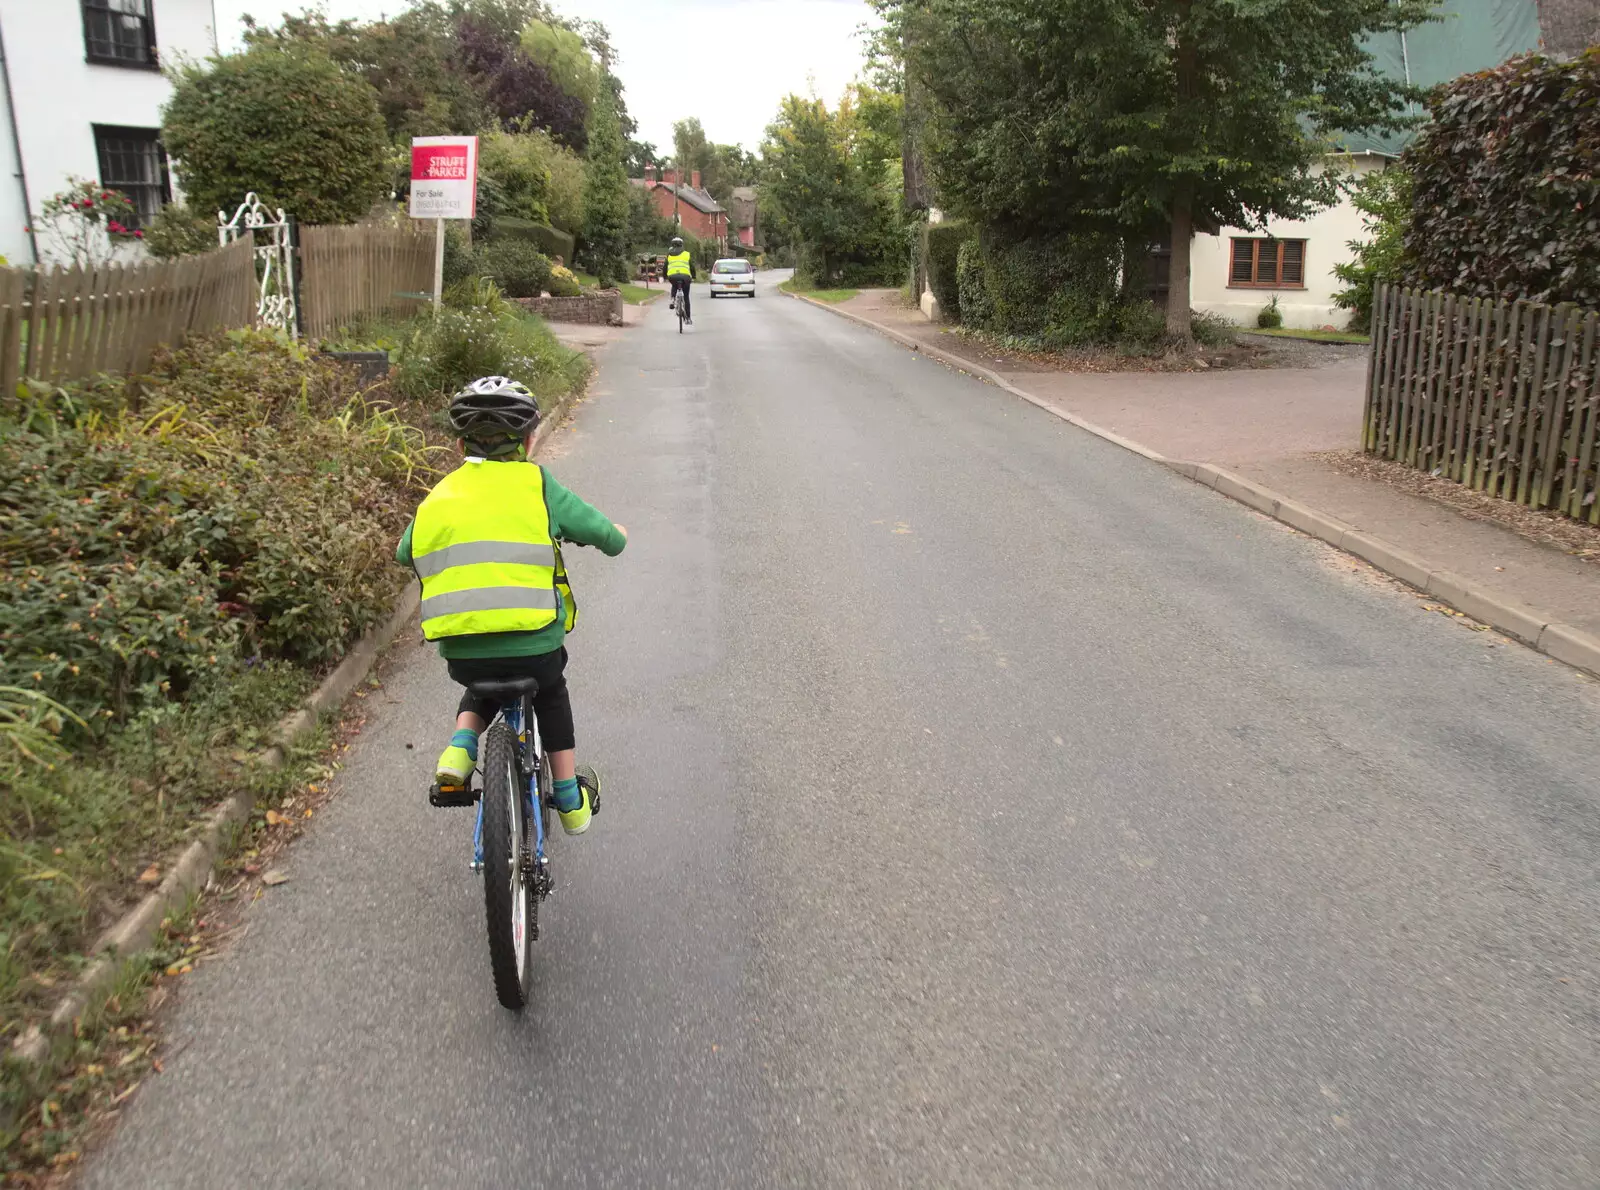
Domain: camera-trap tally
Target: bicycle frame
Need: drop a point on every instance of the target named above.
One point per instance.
(530, 750)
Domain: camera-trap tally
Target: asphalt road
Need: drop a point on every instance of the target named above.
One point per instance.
(986, 807)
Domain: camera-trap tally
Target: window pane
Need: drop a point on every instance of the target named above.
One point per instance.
(130, 161)
(118, 30)
(1242, 272)
(1267, 262)
(1294, 262)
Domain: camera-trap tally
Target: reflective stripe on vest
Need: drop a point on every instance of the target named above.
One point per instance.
(678, 265)
(482, 547)
(469, 553)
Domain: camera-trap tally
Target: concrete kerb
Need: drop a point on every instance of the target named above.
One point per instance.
(136, 929)
(1567, 644)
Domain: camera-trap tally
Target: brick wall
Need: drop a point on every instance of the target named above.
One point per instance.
(597, 309)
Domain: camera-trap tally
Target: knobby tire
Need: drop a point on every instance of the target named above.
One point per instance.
(504, 839)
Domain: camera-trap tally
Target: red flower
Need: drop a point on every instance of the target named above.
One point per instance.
(138, 235)
(115, 228)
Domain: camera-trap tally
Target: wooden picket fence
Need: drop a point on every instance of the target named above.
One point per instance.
(70, 324)
(1501, 396)
(362, 271)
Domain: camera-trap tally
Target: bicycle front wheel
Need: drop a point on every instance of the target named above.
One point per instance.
(507, 887)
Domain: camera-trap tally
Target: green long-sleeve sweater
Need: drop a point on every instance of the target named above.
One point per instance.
(571, 519)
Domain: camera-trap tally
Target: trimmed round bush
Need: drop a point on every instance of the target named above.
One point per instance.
(515, 265)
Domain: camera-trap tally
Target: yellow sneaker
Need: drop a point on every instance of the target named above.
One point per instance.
(454, 767)
(575, 822)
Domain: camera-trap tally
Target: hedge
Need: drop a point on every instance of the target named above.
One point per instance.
(1506, 201)
(977, 310)
(552, 241)
(517, 267)
(941, 245)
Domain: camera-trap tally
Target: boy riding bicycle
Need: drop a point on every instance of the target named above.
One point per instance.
(486, 544)
(680, 273)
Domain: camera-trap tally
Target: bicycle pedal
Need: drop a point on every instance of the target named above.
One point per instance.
(448, 796)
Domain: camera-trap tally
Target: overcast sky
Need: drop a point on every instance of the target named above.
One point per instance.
(785, 45)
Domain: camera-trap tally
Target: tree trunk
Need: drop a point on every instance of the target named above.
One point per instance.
(1178, 317)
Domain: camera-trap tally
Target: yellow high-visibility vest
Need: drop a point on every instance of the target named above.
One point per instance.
(483, 549)
(678, 265)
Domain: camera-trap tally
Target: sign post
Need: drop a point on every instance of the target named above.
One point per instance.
(444, 185)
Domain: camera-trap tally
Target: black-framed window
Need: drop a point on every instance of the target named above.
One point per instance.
(120, 33)
(133, 161)
(1267, 264)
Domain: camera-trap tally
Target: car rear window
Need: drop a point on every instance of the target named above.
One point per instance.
(733, 266)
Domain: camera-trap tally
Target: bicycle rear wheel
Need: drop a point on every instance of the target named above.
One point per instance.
(507, 888)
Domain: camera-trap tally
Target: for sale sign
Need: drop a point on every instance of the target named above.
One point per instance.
(444, 177)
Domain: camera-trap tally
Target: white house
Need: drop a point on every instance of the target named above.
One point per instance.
(1238, 272)
(82, 90)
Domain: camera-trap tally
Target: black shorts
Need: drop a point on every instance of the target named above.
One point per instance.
(552, 706)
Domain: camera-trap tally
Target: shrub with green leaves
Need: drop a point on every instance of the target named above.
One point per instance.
(288, 124)
(552, 241)
(177, 230)
(1384, 198)
(515, 265)
(564, 282)
(977, 308)
(941, 247)
(1505, 193)
(245, 509)
(445, 351)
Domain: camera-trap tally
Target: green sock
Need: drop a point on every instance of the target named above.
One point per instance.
(568, 796)
(465, 738)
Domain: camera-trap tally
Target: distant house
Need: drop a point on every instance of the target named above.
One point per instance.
(82, 92)
(1236, 272)
(746, 215)
(688, 206)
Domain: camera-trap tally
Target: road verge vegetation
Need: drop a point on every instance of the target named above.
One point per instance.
(831, 296)
(181, 557)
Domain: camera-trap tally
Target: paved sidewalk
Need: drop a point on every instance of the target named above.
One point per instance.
(1267, 426)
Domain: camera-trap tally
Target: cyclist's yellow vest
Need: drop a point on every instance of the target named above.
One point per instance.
(482, 547)
(678, 265)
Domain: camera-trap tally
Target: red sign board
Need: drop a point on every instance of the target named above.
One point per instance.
(444, 177)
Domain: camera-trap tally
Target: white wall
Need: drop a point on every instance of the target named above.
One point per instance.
(1327, 237)
(59, 96)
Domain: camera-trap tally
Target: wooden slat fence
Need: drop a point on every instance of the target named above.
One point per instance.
(362, 271)
(1501, 396)
(70, 324)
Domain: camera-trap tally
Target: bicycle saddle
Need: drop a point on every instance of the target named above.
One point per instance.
(504, 690)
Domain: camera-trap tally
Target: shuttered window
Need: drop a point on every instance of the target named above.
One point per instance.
(1267, 264)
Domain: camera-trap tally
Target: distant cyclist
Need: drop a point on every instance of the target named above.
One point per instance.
(680, 272)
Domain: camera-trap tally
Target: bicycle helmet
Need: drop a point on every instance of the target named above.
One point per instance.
(677, 242)
(494, 414)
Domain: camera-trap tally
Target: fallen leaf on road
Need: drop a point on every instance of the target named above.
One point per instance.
(151, 875)
(274, 876)
(276, 819)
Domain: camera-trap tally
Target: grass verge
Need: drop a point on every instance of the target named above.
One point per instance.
(1315, 336)
(832, 296)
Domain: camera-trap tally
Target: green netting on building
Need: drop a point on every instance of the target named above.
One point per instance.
(1467, 35)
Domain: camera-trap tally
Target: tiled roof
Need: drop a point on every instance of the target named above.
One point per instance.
(698, 199)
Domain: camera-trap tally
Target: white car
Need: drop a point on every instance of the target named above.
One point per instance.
(733, 276)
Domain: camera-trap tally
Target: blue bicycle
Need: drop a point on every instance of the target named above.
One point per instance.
(508, 842)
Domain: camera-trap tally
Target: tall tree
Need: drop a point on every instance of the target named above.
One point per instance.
(605, 191)
(410, 61)
(823, 192)
(1050, 115)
